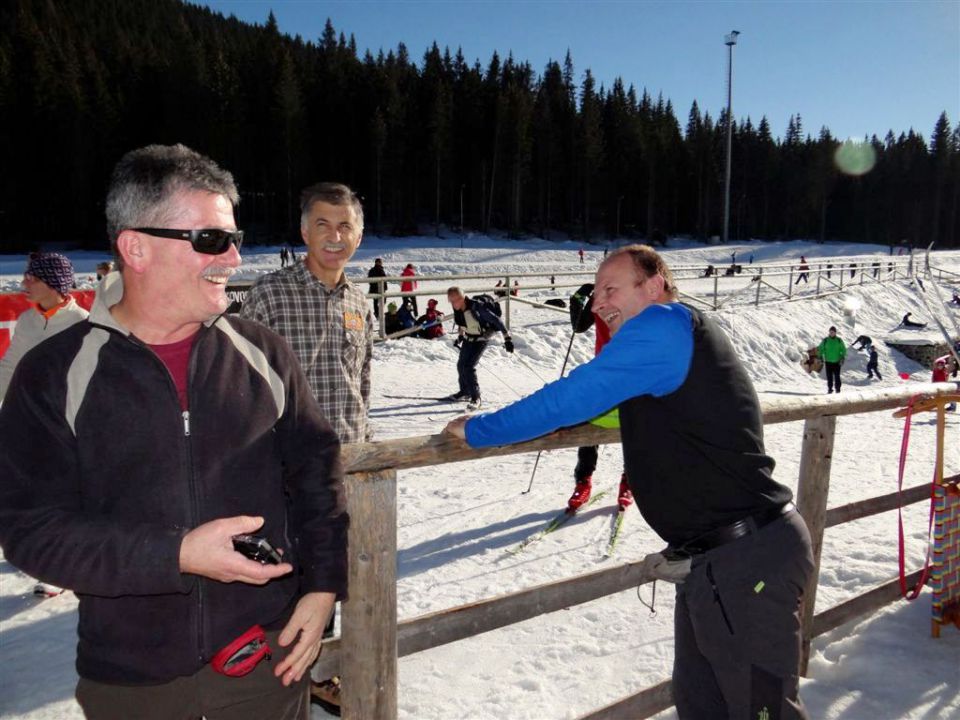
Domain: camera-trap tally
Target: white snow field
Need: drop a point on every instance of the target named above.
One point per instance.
(457, 521)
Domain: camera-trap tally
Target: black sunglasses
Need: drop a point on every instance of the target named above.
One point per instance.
(209, 241)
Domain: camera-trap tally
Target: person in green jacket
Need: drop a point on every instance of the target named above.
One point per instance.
(832, 351)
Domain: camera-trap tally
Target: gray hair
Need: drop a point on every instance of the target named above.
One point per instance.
(146, 179)
(332, 194)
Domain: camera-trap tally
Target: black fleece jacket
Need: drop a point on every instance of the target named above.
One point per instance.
(101, 475)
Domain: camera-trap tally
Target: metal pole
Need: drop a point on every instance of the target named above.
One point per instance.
(730, 40)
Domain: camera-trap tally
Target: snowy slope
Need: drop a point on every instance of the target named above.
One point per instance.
(457, 521)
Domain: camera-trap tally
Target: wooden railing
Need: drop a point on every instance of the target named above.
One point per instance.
(372, 639)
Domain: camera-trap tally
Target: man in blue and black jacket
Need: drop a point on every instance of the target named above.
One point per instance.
(139, 442)
(477, 321)
(692, 438)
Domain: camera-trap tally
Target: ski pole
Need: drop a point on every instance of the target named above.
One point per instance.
(529, 367)
(536, 462)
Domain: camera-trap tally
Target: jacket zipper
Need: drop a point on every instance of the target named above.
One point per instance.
(717, 600)
(194, 494)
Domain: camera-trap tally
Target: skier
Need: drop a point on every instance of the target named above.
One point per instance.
(587, 455)
(804, 271)
(908, 323)
(832, 350)
(872, 364)
(739, 551)
(477, 319)
(581, 256)
(863, 342)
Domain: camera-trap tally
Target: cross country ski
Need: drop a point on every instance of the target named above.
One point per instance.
(615, 526)
(556, 522)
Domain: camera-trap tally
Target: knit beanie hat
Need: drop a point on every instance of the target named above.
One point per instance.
(54, 269)
(392, 307)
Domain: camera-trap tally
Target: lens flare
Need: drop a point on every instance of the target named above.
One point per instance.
(855, 158)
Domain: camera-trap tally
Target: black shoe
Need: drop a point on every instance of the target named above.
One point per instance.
(326, 694)
(455, 397)
(474, 404)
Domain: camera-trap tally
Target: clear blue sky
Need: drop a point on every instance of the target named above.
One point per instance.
(858, 67)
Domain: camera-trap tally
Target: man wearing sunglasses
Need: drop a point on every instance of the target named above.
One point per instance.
(326, 320)
(166, 429)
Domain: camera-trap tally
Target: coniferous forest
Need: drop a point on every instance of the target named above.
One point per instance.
(428, 140)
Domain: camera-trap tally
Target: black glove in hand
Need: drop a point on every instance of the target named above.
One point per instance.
(508, 344)
(458, 342)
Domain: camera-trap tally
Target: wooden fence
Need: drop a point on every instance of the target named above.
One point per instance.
(372, 639)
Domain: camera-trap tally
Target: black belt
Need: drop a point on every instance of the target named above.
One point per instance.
(734, 531)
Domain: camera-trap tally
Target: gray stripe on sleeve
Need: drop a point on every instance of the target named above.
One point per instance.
(258, 361)
(82, 368)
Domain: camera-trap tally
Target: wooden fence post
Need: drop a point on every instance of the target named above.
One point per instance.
(812, 491)
(369, 620)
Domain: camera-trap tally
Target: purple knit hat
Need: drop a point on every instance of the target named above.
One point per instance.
(54, 269)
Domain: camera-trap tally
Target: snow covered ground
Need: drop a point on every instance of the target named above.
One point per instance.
(457, 521)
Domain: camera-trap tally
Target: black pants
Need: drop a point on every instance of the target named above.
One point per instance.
(833, 376)
(586, 462)
(411, 300)
(737, 627)
(872, 370)
(470, 353)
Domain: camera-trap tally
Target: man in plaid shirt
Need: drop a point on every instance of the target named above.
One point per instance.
(326, 320)
(322, 315)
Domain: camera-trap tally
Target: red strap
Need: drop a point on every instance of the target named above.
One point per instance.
(242, 655)
(913, 593)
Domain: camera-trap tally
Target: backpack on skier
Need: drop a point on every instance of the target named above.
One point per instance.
(488, 302)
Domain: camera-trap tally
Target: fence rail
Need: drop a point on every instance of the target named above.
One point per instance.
(372, 640)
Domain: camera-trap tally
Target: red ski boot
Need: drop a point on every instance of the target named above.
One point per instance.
(581, 493)
(625, 496)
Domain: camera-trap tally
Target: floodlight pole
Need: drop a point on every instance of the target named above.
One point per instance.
(730, 41)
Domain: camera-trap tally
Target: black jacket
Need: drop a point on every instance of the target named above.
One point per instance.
(377, 271)
(695, 457)
(101, 475)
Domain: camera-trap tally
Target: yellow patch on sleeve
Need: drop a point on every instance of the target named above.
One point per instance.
(759, 586)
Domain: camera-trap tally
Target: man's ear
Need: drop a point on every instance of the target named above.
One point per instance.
(654, 286)
(134, 250)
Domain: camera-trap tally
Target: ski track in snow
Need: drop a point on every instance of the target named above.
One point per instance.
(457, 521)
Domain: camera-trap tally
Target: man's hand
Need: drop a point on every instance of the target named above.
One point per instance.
(457, 427)
(207, 550)
(458, 342)
(508, 344)
(308, 620)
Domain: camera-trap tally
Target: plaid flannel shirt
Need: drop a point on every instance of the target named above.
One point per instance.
(331, 333)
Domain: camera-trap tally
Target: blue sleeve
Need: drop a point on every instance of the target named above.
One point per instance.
(650, 355)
